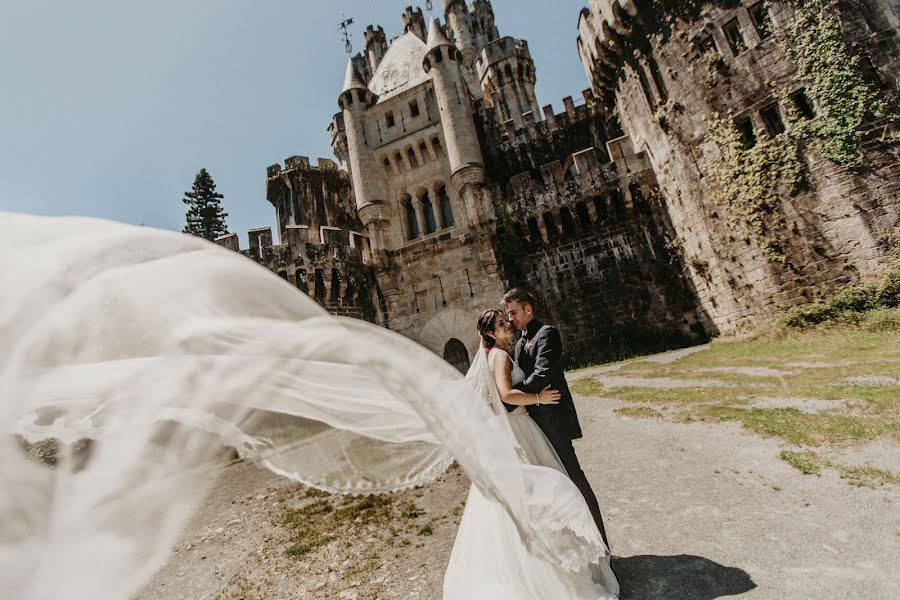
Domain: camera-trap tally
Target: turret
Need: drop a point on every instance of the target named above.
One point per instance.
(368, 184)
(376, 46)
(458, 22)
(483, 25)
(507, 77)
(467, 173)
(414, 21)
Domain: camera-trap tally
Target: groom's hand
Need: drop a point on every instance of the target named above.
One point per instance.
(548, 396)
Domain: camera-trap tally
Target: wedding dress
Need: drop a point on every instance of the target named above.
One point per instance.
(135, 354)
(489, 561)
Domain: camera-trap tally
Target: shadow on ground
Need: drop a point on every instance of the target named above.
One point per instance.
(681, 577)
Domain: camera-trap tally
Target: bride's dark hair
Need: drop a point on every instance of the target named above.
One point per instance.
(486, 327)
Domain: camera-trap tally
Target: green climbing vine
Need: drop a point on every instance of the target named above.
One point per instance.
(511, 248)
(752, 180)
(835, 82)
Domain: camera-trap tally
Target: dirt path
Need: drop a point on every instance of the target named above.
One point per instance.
(695, 511)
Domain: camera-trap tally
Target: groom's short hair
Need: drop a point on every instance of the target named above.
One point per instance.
(519, 295)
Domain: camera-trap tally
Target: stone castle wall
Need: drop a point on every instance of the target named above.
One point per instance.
(323, 249)
(676, 75)
(588, 236)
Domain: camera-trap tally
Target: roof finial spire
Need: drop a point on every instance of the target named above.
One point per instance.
(344, 25)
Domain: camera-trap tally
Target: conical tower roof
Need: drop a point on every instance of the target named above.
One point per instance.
(353, 80)
(436, 37)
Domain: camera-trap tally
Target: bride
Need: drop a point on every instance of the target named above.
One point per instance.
(488, 560)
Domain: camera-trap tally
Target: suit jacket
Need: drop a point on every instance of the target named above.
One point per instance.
(542, 364)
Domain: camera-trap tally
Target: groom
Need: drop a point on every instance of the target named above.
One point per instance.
(539, 355)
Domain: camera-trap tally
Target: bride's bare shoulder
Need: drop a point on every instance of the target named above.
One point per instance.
(500, 357)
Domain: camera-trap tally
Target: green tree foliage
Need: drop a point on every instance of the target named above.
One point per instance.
(205, 217)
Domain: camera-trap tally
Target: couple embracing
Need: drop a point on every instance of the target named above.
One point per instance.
(489, 559)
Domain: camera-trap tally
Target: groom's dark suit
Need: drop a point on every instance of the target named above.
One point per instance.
(539, 355)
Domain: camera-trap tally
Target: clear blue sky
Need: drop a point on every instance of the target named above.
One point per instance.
(109, 108)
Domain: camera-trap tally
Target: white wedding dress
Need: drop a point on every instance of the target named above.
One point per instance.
(159, 348)
(489, 561)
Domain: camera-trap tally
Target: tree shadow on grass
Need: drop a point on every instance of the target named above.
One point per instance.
(682, 577)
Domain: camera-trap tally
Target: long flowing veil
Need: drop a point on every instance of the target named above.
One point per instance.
(135, 354)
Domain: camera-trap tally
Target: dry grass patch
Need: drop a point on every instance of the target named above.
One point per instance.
(872, 410)
(639, 411)
(810, 463)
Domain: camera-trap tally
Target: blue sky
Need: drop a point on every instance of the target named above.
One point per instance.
(109, 108)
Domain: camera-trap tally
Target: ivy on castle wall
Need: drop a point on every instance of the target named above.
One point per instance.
(752, 181)
(511, 248)
(834, 81)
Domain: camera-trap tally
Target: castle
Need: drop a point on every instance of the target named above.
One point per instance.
(693, 190)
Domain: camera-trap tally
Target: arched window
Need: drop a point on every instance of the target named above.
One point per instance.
(387, 165)
(398, 160)
(335, 286)
(534, 232)
(428, 211)
(507, 70)
(446, 209)
(618, 200)
(423, 150)
(436, 145)
(320, 284)
(412, 223)
(351, 287)
(456, 354)
(583, 217)
(300, 278)
(413, 162)
(568, 223)
(550, 224)
(600, 207)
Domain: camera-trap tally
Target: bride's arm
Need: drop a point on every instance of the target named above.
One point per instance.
(503, 377)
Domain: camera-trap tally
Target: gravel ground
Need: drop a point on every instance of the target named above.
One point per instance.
(693, 511)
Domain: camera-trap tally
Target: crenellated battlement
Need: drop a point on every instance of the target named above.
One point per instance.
(337, 273)
(296, 162)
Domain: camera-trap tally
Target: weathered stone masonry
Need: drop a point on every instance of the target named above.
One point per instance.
(450, 185)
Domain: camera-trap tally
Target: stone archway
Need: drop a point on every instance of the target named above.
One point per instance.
(450, 324)
(456, 354)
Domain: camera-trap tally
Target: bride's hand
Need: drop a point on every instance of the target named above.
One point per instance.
(548, 396)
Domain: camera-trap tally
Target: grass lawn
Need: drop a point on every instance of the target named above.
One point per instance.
(824, 387)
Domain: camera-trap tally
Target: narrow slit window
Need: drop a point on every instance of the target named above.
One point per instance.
(568, 223)
(645, 86)
(732, 31)
(772, 119)
(413, 161)
(600, 207)
(658, 80)
(534, 232)
(745, 130)
(759, 13)
(550, 224)
(583, 217)
(803, 104)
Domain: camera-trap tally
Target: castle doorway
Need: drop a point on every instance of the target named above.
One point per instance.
(456, 354)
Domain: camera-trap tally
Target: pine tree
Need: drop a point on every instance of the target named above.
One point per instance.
(205, 216)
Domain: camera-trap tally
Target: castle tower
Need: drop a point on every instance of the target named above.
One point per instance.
(376, 46)
(483, 26)
(457, 15)
(414, 21)
(467, 172)
(368, 184)
(507, 77)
